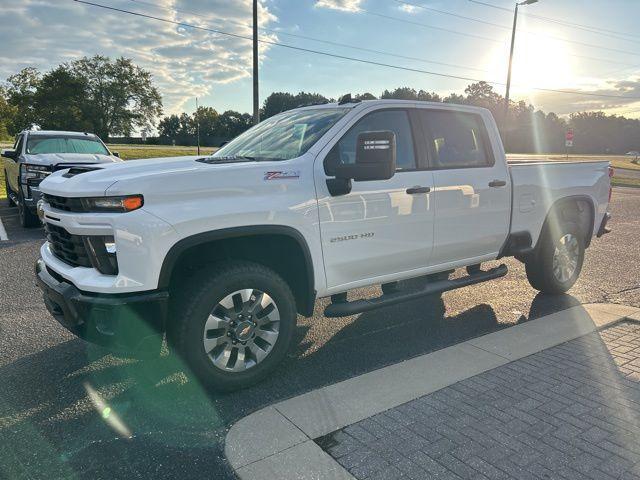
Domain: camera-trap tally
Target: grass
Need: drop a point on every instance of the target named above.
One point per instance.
(131, 152)
(625, 182)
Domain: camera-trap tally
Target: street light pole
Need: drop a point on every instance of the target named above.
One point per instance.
(256, 99)
(513, 43)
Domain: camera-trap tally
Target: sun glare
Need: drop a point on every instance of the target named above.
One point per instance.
(539, 61)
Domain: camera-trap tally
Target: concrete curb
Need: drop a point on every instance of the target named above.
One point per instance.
(277, 441)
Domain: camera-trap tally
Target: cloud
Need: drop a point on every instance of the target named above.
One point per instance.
(185, 62)
(345, 5)
(405, 7)
(577, 101)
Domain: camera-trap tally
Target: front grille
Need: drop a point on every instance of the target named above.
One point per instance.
(67, 247)
(64, 203)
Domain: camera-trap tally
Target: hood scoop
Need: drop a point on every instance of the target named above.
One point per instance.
(73, 171)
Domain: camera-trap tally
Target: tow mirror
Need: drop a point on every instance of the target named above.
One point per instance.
(12, 154)
(375, 160)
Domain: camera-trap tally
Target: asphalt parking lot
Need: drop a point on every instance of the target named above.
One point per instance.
(71, 410)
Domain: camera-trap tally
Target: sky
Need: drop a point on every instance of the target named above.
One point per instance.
(188, 63)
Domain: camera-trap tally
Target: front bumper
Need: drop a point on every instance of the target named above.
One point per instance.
(124, 323)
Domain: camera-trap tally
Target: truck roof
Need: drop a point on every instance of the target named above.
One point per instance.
(394, 102)
(59, 133)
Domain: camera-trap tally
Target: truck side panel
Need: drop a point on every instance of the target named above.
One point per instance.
(537, 186)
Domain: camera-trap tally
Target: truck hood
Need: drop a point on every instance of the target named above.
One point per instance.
(72, 158)
(97, 178)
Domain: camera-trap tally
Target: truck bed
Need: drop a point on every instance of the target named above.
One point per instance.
(538, 184)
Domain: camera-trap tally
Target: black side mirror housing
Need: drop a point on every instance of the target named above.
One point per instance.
(223, 144)
(115, 154)
(8, 153)
(375, 158)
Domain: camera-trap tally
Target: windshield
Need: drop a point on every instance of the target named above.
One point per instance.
(46, 144)
(284, 136)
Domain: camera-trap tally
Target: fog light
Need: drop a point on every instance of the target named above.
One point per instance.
(110, 247)
(102, 254)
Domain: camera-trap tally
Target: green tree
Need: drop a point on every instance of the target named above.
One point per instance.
(60, 101)
(120, 96)
(7, 114)
(20, 90)
(279, 102)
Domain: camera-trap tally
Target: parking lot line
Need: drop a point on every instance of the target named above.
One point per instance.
(3, 232)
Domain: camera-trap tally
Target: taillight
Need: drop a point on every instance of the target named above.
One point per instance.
(611, 174)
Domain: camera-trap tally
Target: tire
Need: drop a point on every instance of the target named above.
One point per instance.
(204, 295)
(7, 189)
(27, 218)
(548, 270)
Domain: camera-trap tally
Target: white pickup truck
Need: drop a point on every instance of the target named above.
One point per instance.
(219, 254)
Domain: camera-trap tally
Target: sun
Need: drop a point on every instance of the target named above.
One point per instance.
(539, 61)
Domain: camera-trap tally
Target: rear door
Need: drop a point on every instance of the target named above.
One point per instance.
(380, 229)
(472, 188)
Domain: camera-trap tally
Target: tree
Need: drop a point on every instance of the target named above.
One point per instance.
(60, 101)
(20, 92)
(279, 102)
(7, 114)
(120, 96)
(365, 96)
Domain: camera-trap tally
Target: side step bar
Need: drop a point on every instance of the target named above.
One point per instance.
(345, 309)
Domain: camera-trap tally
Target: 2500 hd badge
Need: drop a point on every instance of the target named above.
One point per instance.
(352, 237)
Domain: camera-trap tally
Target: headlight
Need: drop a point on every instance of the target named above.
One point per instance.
(38, 172)
(113, 204)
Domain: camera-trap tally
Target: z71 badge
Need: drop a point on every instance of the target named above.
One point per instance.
(282, 175)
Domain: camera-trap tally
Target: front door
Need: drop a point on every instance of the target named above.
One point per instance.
(472, 188)
(382, 228)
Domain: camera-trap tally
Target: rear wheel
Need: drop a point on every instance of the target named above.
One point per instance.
(7, 189)
(28, 219)
(557, 264)
(234, 324)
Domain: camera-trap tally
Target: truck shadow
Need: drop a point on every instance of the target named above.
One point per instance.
(75, 408)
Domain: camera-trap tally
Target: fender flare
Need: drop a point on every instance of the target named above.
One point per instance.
(172, 256)
(576, 198)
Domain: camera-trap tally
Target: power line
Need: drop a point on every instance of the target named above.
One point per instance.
(314, 39)
(333, 55)
(506, 27)
(578, 26)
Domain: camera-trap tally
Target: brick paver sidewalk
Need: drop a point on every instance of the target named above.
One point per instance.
(569, 412)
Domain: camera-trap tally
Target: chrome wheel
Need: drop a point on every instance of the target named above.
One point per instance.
(566, 257)
(241, 330)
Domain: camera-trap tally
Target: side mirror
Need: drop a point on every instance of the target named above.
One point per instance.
(375, 158)
(12, 154)
(223, 144)
(115, 154)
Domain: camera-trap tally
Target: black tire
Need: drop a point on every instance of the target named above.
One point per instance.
(196, 301)
(7, 189)
(540, 266)
(28, 219)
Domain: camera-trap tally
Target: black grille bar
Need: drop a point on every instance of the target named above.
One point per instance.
(64, 203)
(67, 247)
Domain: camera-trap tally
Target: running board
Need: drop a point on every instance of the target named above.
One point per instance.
(345, 309)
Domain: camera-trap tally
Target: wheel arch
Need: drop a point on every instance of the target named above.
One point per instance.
(561, 209)
(285, 246)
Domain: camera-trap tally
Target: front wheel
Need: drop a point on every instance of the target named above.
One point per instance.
(234, 324)
(7, 189)
(557, 264)
(28, 219)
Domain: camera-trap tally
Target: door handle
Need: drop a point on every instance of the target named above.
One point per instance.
(497, 183)
(418, 189)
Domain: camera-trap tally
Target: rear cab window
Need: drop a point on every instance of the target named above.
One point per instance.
(456, 139)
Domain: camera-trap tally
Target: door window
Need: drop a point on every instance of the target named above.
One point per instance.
(397, 121)
(457, 140)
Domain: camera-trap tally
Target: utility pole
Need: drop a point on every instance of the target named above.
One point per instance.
(256, 98)
(198, 125)
(513, 43)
